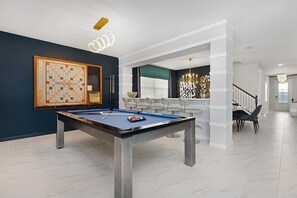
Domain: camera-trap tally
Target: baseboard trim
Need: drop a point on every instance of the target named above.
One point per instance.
(222, 146)
(200, 137)
(25, 136)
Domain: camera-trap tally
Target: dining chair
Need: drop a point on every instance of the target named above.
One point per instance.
(236, 114)
(252, 118)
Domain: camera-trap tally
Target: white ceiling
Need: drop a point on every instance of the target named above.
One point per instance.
(265, 31)
(198, 59)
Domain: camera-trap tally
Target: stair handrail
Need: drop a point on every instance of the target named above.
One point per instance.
(249, 94)
(245, 91)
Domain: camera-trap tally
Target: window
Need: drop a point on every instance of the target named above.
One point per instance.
(266, 92)
(283, 94)
(154, 87)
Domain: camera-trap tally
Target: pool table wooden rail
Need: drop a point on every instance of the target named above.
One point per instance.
(118, 132)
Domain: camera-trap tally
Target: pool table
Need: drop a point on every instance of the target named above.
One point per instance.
(113, 128)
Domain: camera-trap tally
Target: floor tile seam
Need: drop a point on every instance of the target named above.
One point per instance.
(281, 158)
(243, 194)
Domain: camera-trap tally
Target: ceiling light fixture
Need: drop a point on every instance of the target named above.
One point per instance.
(189, 78)
(100, 23)
(282, 78)
(188, 83)
(103, 41)
(280, 64)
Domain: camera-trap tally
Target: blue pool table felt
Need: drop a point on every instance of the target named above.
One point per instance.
(118, 118)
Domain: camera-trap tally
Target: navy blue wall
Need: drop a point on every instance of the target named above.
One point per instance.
(201, 71)
(18, 117)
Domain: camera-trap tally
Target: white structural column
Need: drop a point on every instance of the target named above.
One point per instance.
(125, 85)
(221, 78)
(218, 38)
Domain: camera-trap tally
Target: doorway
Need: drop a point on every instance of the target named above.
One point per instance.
(282, 95)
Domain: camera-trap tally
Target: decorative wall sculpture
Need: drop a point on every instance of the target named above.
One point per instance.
(195, 90)
(187, 90)
(204, 83)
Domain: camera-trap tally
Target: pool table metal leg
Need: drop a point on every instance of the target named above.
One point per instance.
(190, 155)
(60, 134)
(123, 167)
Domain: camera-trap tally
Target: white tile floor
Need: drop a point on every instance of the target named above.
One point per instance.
(262, 165)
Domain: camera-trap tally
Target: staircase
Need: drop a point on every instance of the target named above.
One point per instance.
(244, 99)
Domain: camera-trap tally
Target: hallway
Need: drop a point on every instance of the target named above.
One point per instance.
(270, 156)
(255, 166)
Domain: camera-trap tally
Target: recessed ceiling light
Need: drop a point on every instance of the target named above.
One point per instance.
(249, 47)
(280, 64)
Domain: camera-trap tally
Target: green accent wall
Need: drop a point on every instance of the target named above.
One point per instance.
(151, 71)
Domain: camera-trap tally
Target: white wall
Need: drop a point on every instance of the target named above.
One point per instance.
(252, 79)
(246, 76)
(264, 93)
(294, 87)
(125, 77)
(271, 93)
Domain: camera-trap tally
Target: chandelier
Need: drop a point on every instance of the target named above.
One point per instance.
(190, 78)
(282, 78)
(188, 83)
